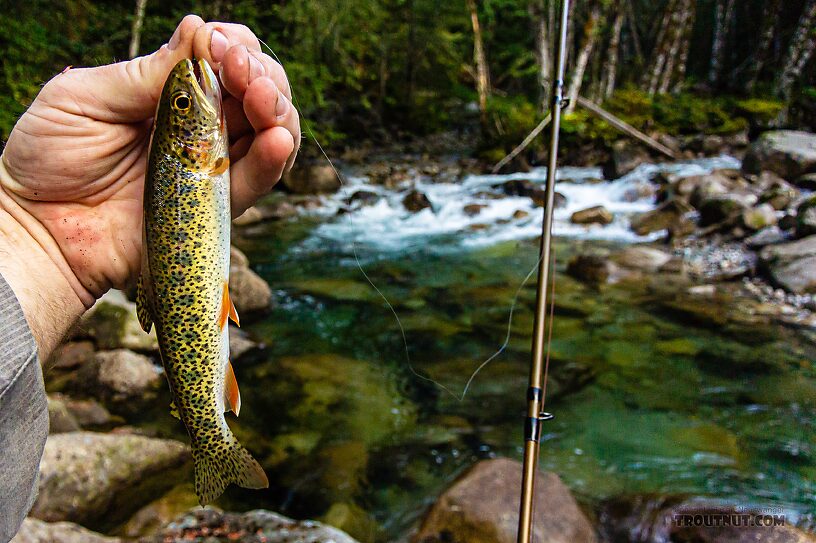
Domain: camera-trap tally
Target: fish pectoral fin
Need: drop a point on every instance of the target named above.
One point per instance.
(227, 308)
(232, 396)
(174, 410)
(142, 308)
(221, 165)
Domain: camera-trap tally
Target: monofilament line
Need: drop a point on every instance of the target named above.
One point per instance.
(458, 396)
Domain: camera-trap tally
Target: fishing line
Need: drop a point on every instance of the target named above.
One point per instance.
(459, 397)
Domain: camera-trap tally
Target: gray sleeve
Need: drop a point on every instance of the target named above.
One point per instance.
(23, 414)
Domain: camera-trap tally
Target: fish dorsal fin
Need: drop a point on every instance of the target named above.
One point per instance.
(142, 309)
(174, 410)
(227, 308)
(232, 396)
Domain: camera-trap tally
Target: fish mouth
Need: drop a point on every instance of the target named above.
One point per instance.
(207, 84)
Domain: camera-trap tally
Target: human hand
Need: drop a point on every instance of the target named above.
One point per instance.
(72, 172)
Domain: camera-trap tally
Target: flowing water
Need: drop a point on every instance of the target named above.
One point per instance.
(648, 394)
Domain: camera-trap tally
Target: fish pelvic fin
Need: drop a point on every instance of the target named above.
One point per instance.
(142, 307)
(215, 469)
(228, 311)
(232, 396)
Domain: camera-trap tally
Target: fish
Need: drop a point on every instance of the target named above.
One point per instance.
(183, 289)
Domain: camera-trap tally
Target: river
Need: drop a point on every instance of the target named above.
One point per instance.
(648, 398)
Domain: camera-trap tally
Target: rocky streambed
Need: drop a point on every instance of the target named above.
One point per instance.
(682, 363)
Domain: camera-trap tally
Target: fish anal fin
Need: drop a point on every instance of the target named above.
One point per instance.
(232, 396)
(142, 307)
(233, 314)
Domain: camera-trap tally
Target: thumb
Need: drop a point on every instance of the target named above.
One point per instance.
(126, 91)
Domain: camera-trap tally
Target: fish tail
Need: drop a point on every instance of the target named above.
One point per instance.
(214, 470)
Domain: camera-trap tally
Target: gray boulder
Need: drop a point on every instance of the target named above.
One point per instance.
(642, 257)
(806, 218)
(625, 157)
(37, 531)
(248, 291)
(60, 419)
(788, 153)
(99, 479)
(113, 324)
(256, 526)
(119, 376)
(311, 179)
(792, 265)
(481, 506)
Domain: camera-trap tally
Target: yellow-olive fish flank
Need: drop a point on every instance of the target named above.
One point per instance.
(185, 272)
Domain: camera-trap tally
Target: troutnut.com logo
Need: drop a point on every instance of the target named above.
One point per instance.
(712, 520)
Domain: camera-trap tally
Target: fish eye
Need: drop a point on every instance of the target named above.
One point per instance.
(181, 103)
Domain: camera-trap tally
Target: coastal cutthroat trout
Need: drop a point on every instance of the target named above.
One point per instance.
(183, 289)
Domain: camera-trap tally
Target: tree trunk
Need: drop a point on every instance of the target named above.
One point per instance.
(542, 51)
(651, 76)
(682, 61)
(722, 22)
(630, 15)
(590, 35)
(769, 18)
(479, 57)
(679, 34)
(799, 51)
(410, 67)
(611, 64)
(136, 29)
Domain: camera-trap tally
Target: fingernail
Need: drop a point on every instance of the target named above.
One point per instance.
(175, 39)
(256, 69)
(282, 107)
(218, 45)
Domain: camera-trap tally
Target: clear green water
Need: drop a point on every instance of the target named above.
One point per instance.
(648, 396)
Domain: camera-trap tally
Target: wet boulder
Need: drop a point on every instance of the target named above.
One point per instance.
(248, 291)
(792, 265)
(806, 218)
(99, 479)
(625, 157)
(363, 198)
(759, 217)
(305, 178)
(780, 194)
(534, 191)
(112, 324)
(767, 236)
(723, 207)
(481, 506)
(120, 377)
(672, 215)
(37, 531)
(788, 153)
(471, 210)
(807, 181)
(592, 215)
(252, 527)
(416, 201)
(642, 257)
(646, 518)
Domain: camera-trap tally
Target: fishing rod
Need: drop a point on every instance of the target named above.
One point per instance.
(535, 392)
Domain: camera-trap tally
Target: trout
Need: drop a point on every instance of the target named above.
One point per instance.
(183, 288)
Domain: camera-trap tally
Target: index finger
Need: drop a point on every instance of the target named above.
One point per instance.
(212, 40)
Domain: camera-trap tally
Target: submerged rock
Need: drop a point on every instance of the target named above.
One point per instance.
(416, 201)
(37, 531)
(481, 506)
(99, 479)
(592, 215)
(792, 265)
(259, 526)
(788, 153)
(591, 268)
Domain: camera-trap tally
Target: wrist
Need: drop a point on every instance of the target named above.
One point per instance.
(31, 263)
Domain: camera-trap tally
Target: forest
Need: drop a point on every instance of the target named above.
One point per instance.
(386, 70)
